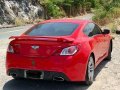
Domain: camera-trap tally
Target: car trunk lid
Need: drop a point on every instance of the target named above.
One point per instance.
(39, 46)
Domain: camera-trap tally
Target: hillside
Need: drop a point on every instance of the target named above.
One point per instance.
(11, 10)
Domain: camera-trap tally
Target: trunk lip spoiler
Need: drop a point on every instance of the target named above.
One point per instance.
(44, 38)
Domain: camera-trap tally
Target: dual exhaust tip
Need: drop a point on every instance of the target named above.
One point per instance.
(58, 79)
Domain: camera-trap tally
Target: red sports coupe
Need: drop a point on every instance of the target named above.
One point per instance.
(61, 50)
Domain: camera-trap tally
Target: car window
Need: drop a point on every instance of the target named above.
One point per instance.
(88, 30)
(53, 29)
(92, 29)
(96, 30)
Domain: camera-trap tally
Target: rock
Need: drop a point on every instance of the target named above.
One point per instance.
(0, 26)
(8, 8)
(25, 9)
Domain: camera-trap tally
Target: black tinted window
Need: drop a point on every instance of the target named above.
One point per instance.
(53, 29)
(92, 29)
(97, 30)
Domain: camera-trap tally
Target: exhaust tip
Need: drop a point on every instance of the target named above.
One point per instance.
(58, 79)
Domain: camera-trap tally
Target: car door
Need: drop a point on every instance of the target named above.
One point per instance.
(96, 38)
(104, 42)
(100, 39)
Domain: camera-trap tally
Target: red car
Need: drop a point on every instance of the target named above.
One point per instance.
(64, 49)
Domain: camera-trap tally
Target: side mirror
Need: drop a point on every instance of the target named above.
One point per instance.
(106, 31)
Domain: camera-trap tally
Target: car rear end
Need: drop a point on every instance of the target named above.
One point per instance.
(49, 57)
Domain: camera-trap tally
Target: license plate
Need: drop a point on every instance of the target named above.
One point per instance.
(34, 74)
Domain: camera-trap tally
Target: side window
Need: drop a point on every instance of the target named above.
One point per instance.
(92, 29)
(97, 30)
(88, 30)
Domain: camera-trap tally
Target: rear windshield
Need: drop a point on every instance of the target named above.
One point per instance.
(53, 29)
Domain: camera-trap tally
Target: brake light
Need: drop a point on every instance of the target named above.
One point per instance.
(69, 50)
(14, 48)
(10, 49)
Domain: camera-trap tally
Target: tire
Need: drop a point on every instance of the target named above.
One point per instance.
(108, 58)
(90, 71)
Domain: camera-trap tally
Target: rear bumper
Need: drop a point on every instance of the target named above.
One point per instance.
(72, 67)
(48, 75)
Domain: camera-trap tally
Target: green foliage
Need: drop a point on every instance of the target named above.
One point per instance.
(52, 7)
(106, 10)
(56, 8)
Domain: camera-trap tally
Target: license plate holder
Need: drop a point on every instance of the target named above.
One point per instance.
(34, 74)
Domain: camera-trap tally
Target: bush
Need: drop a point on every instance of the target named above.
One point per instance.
(106, 11)
(19, 22)
(58, 8)
(101, 17)
(112, 27)
(54, 10)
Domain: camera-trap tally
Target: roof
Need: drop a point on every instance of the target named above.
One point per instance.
(67, 20)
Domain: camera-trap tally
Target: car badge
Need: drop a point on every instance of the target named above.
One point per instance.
(35, 47)
(33, 63)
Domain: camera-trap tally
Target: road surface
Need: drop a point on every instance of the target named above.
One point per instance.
(5, 33)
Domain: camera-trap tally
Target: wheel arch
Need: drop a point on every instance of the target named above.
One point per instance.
(91, 54)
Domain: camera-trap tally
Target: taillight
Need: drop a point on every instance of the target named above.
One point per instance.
(10, 49)
(69, 50)
(14, 48)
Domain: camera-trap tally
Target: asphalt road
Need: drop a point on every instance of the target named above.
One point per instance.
(5, 33)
